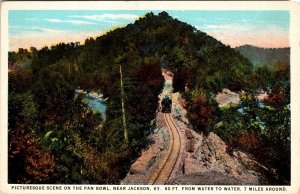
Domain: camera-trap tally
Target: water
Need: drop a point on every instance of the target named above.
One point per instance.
(95, 104)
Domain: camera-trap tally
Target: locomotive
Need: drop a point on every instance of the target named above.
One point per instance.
(166, 104)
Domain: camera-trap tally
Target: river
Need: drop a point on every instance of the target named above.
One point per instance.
(95, 101)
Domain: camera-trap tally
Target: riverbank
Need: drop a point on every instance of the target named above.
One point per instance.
(94, 100)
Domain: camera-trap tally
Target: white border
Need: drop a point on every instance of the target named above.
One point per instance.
(293, 7)
(147, 5)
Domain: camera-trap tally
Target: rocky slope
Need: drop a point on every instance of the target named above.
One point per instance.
(204, 159)
(142, 168)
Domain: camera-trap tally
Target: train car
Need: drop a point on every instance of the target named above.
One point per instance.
(166, 105)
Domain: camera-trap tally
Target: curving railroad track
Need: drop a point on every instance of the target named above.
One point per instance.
(166, 167)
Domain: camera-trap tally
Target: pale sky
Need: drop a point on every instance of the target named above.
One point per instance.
(40, 28)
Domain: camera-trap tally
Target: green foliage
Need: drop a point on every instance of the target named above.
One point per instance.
(271, 57)
(203, 67)
(19, 60)
(86, 150)
(261, 127)
(22, 109)
(82, 149)
(201, 109)
(48, 134)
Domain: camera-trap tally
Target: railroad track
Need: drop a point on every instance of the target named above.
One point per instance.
(166, 166)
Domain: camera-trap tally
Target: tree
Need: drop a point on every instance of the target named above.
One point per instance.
(200, 110)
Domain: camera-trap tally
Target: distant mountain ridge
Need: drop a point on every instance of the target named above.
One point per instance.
(265, 56)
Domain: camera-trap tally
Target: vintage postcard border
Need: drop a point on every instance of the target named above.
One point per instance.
(293, 7)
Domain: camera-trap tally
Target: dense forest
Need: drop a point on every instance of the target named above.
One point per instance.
(55, 138)
(273, 57)
(258, 125)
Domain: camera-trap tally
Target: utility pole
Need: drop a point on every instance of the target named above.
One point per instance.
(123, 106)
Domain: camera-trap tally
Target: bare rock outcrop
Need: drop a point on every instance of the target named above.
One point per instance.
(211, 155)
(150, 158)
(141, 169)
(203, 159)
(208, 155)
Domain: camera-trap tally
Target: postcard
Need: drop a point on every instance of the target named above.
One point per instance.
(150, 97)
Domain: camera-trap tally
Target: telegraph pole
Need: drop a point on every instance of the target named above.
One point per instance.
(123, 106)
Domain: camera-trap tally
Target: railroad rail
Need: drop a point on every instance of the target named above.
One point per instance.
(166, 166)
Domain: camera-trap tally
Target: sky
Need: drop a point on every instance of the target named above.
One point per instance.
(39, 28)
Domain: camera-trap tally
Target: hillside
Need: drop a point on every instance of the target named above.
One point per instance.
(265, 56)
(55, 138)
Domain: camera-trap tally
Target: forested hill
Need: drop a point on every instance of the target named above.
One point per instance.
(54, 138)
(169, 42)
(266, 56)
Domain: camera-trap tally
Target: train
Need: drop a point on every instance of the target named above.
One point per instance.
(166, 104)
